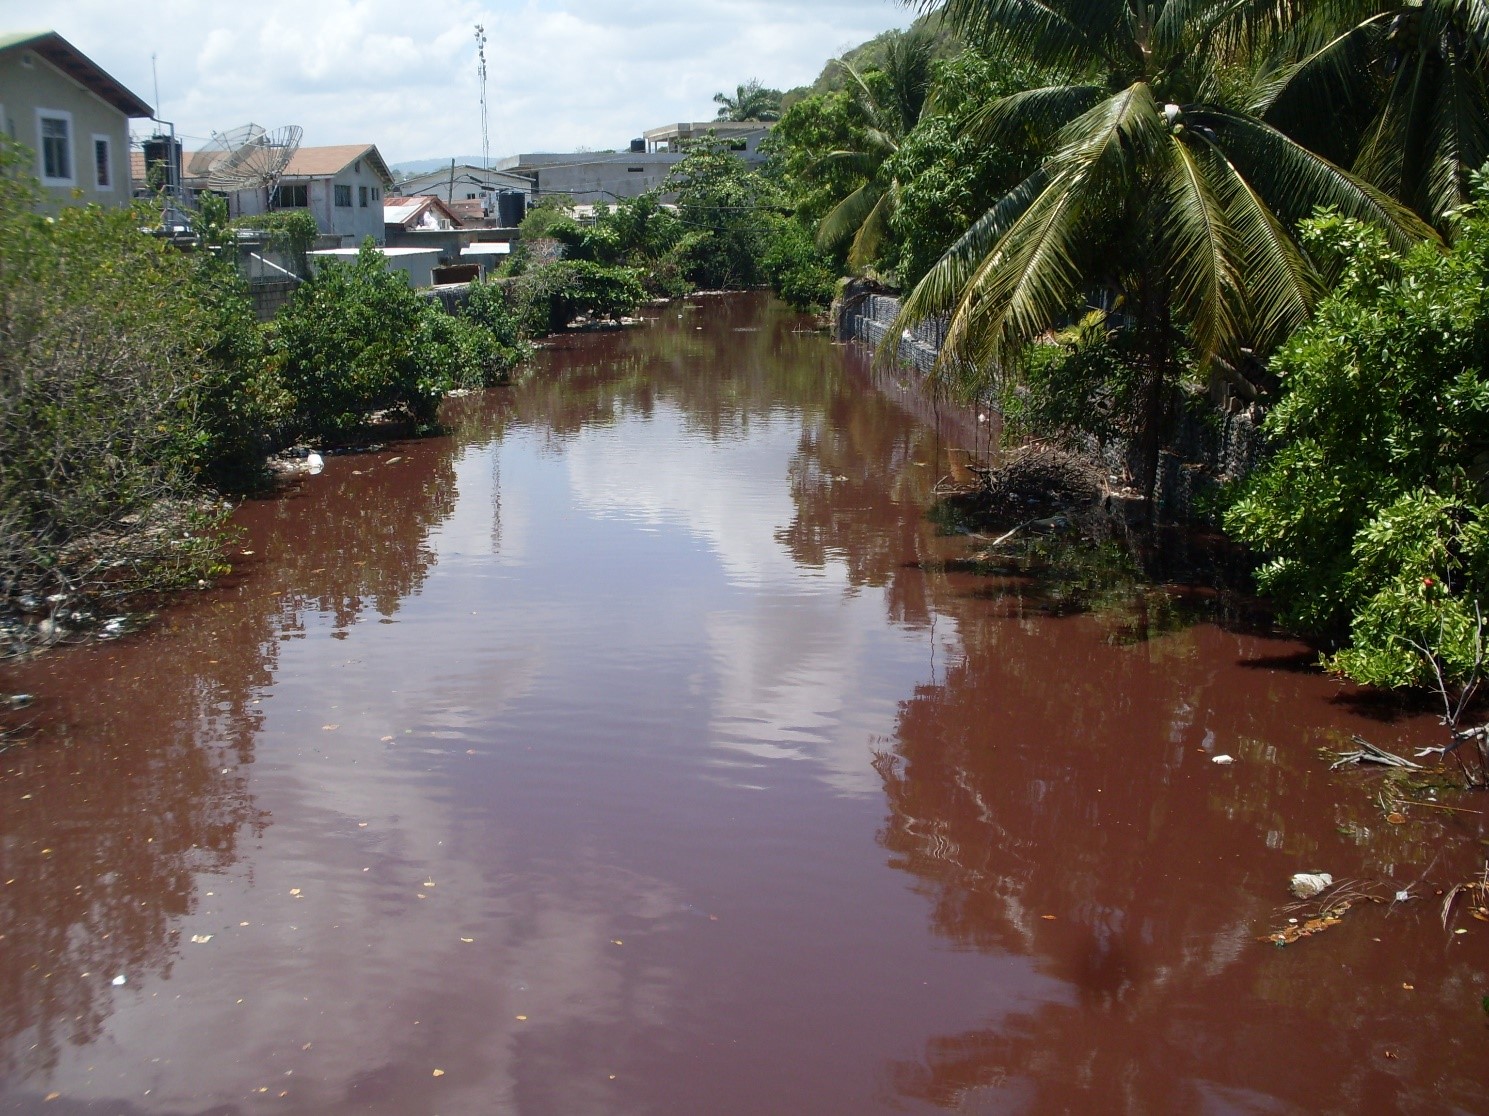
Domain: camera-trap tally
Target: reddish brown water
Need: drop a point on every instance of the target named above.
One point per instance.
(634, 749)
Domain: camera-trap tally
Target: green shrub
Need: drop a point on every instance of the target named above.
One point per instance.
(1373, 514)
(800, 272)
(349, 343)
(105, 345)
(551, 297)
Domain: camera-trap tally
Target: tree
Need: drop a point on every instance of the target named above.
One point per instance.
(1373, 513)
(1159, 196)
(1397, 89)
(890, 101)
(751, 101)
(721, 205)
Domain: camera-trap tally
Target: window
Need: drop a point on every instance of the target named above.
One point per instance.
(376, 193)
(344, 196)
(103, 163)
(55, 133)
(362, 196)
(293, 195)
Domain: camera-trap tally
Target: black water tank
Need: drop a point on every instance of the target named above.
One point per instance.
(511, 207)
(638, 147)
(157, 151)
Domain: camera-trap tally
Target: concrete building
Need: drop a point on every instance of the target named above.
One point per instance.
(342, 187)
(597, 177)
(593, 177)
(73, 115)
(743, 136)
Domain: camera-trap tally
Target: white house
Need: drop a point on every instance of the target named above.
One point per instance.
(73, 115)
(342, 187)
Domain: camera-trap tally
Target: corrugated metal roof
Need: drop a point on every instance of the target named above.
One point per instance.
(78, 66)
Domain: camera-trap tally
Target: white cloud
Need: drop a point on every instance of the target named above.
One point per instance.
(561, 75)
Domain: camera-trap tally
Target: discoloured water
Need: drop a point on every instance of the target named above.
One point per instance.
(640, 748)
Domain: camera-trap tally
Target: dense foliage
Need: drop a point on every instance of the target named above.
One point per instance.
(106, 347)
(357, 339)
(1373, 514)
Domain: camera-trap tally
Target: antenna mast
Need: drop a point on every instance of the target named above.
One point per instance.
(481, 70)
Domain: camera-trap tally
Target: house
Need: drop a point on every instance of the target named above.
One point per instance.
(419, 213)
(73, 115)
(464, 182)
(341, 187)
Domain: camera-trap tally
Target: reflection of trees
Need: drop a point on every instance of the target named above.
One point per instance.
(1058, 771)
(137, 773)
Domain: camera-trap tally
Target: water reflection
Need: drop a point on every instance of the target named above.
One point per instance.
(1055, 796)
(128, 806)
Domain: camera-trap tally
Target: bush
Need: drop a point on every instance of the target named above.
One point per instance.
(551, 297)
(1373, 514)
(105, 345)
(351, 342)
(798, 270)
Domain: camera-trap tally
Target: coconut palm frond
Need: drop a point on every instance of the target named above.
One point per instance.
(1281, 286)
(1044, 31)
(1309, 98)
(938, 291)
(1295, 181)
(1033, 112)
(848, 216)
(1457, 142)
(1113, 138)
(1200, 244)
(872, 228)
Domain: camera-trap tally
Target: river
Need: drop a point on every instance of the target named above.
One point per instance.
(641, 747)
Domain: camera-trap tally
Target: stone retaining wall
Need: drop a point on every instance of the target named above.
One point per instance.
(1210, 447)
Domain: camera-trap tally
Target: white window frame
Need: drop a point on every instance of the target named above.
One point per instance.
(108, 141)
(41, 153)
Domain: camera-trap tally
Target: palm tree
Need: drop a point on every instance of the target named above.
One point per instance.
(1411, 77)
(891, 107)
(751, 101)
(1155, 190)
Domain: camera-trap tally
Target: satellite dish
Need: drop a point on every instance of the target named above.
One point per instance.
(257, 162)
(219, 147)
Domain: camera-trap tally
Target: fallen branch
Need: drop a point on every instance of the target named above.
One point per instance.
(1367, 752)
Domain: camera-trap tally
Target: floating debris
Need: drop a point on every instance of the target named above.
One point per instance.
(1305, 885)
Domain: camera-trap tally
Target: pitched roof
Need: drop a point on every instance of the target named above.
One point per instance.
(78, 66)
(402, 211)
(318, 162)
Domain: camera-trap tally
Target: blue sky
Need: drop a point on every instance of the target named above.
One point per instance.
(561, 74)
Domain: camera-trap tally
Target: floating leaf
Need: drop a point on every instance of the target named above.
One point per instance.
(439, 1073)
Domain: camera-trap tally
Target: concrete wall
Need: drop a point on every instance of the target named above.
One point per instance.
(29, 92)
(270, 295)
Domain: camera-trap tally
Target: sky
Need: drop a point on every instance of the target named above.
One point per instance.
(562, 75)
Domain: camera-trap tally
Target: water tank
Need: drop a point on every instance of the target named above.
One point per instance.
(157, 152)
(511, 208)
(638, 147)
